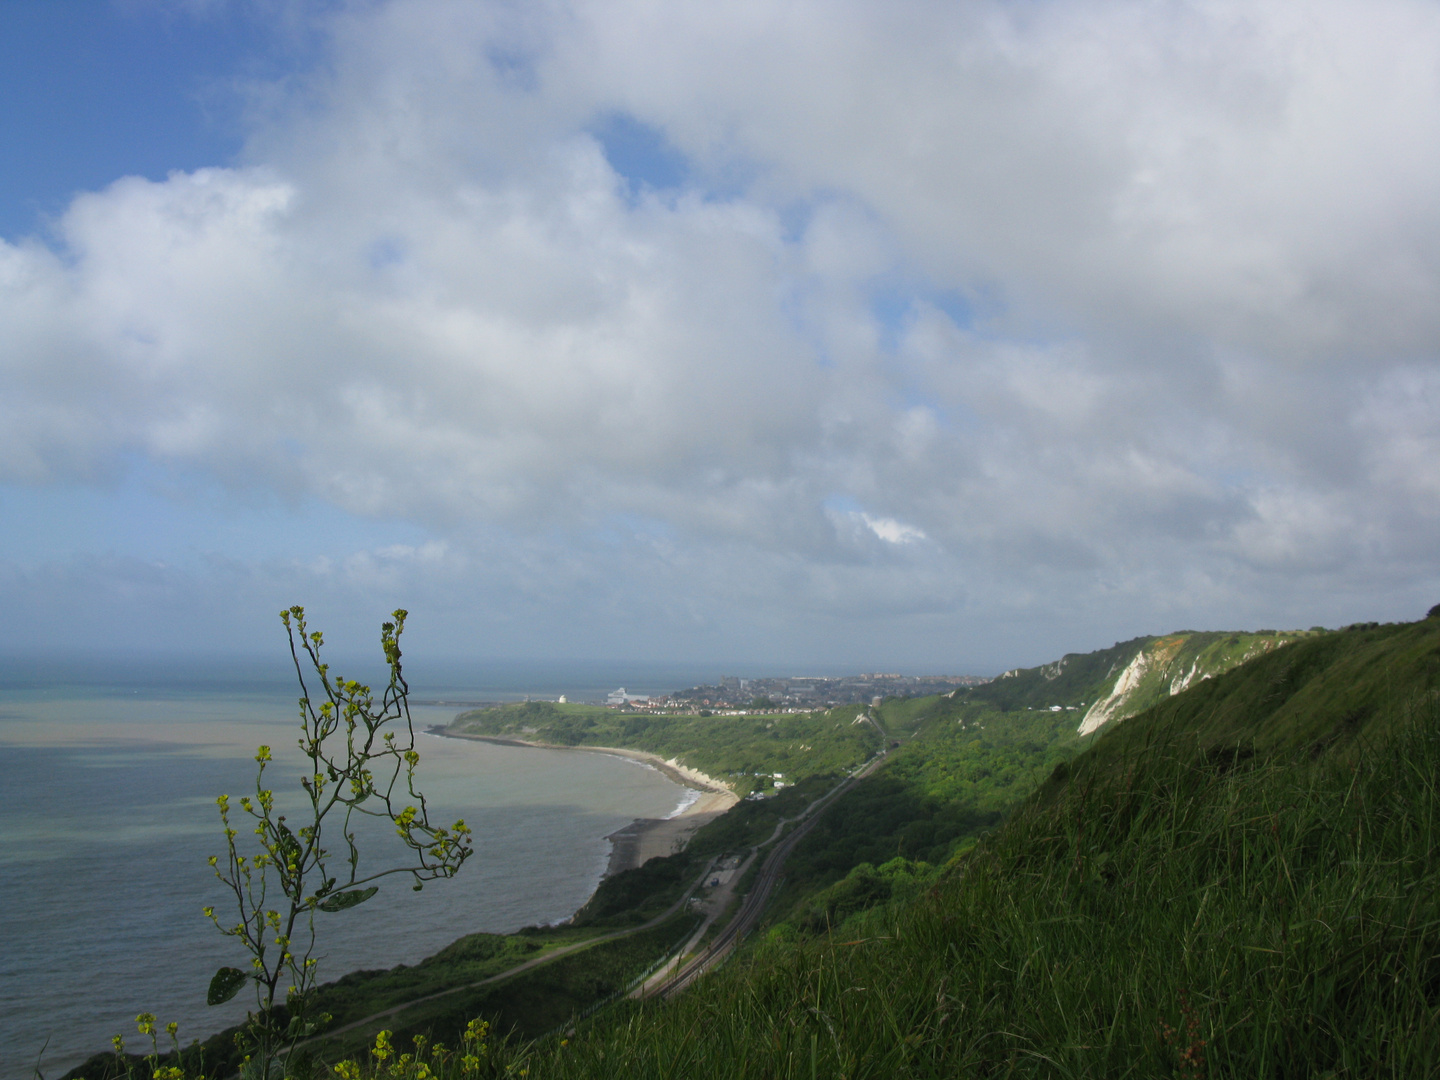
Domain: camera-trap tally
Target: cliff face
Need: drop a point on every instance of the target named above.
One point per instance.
(1111, 684)
(1162, 667)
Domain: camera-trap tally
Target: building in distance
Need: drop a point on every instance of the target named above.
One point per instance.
(810, 691)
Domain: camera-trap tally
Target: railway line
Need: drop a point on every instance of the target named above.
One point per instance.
(672, 982)
(752, 904)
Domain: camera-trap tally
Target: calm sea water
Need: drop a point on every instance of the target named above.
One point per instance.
(108, 815)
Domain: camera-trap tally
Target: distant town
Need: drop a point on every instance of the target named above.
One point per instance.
(734, 695)
(798, 693)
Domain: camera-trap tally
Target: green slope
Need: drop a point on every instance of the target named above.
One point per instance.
(1327, 694)
(1166, 907)
(963, 760)
(743, 752)
(1130, 676)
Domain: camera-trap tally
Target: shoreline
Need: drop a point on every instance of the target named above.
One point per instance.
(644, 838)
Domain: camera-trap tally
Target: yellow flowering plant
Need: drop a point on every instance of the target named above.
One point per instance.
(428, 1061)
(361, 761)
(151, 1069)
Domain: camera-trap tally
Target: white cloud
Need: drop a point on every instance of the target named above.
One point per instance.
(1198, 246)
(892, 531)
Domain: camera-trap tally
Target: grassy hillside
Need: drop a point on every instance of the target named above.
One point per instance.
(1129, 677)
(958, 770)
(1191, 914)
(1332, 694)
(968, 758)
(743, 751)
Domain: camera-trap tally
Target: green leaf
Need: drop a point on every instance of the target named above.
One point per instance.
(301, 1028)
(225, 985)
(342, 900)
(288, 844)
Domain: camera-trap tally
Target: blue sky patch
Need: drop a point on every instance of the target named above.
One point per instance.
(893, 307)
(94, 91)
(640, 153)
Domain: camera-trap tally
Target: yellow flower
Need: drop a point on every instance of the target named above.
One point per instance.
(146, 1023)
(382, 1046)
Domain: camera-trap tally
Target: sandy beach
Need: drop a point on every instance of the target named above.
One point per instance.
(644, 838)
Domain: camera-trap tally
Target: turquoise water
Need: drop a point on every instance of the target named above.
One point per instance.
(108, 816)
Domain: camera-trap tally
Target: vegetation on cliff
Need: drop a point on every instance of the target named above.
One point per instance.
(1244, 884)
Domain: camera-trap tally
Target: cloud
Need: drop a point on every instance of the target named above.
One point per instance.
(1131, 304)
(892, 531)
(1250, 173)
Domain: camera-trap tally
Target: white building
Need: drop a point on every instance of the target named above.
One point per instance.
(620, 697)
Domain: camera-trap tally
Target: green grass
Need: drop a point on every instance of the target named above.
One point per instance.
(1276, 920)
(734, 749)
(470, 959)
(1242, 882)
(961, 767)
(538, 1001)
(521, 1008)
(1330, 694)
(1087, 677)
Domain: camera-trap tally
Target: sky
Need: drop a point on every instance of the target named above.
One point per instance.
(921, 336)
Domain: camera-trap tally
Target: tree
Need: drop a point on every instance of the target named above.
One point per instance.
(356, 759)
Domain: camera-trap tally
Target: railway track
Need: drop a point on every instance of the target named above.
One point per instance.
(754, 901)
(752, 904)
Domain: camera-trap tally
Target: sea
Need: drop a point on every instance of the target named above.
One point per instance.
(109, 771)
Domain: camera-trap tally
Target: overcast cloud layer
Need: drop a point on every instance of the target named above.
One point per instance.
(953, 335)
